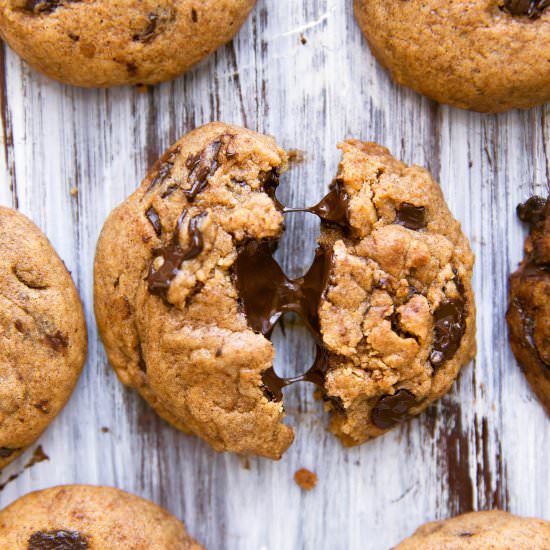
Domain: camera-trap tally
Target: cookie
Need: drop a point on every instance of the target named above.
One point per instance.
(484, 55)
(495, 530)
(101, 44)
(82, 517)
(187, 292)
(528, 313)
(42, 334)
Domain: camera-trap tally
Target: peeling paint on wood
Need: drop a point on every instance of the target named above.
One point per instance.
(306, 76)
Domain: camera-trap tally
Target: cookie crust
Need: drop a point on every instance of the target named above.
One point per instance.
(42, 334)
(496, 530)
(484, 55)
(89, 517)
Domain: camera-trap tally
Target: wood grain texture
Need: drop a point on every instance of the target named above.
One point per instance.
(302, 72)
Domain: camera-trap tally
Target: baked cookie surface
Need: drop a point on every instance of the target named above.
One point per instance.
(85, 517)
(187, 292)
(485, 55)
(528, 313)
(481, 530)
(114, 42)
(42, 334)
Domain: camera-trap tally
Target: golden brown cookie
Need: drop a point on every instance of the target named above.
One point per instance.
(479, 531)
(100, 44)
(528, 313)
(187, 292)
(484, 55)
(84, 517)
(42, 334)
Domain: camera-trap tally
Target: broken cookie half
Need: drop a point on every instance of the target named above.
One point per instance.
(187, 292)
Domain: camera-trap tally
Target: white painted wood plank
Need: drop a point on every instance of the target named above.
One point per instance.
(309, 95)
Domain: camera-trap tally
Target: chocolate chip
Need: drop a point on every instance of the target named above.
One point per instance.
(19, 326)
(132, 69)
(154, 219)
(58, 341)
(6, 453)
(43, 406)
(202, 166)
(164, 168)
(194, 15)
(148, 33)
(392, 409)
(410, 216)
(159, 280)
(57, 540)
(449, 328)
(531, 8)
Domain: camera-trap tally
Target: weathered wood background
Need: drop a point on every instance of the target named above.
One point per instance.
(300, 71)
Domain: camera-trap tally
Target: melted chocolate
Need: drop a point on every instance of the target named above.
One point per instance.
(267, 293)
(269, 183)
(333, 208)
(174, 255)
(154, 219)
(392, 409)
(57, 540)
(204, 165)
(531, 8)
(410, 216)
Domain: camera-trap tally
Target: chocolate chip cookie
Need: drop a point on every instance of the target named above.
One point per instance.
(187, 292)
(100, 44)
(495, 530)
(528, 313)
(42, 334)
(484, 55)
(82, 517)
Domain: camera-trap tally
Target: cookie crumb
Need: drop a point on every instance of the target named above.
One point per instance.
(74, 191)
(105, 430)
(295, 156)
(306, 479)
(303, 39)
(245, 462)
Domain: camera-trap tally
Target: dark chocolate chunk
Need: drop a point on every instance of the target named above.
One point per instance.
(6, 453)
(57, 540)
(410, 216)
(154, 219)
(58, 341)
(533, 211)
(205, 164)
(269, 182)
(449, 328)
(148, 33)
(164, 167)
(45, 6)
(174, 255)
(531, 8)
(392, 409)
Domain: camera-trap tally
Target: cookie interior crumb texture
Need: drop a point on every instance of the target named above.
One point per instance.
(485, 55)
(187, 292)
(493, 530)
(528, 313)
(81, 517)
(114, 42)
(42, 334)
